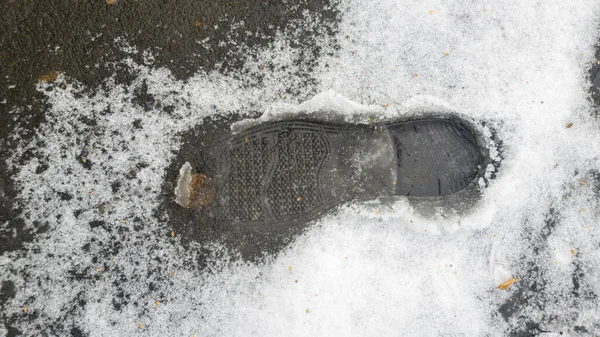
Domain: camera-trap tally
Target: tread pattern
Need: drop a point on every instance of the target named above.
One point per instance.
(294, 187)
(273, 174)
(248, 166)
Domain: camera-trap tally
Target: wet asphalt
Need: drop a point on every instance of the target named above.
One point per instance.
(77, 38)
(82, 40)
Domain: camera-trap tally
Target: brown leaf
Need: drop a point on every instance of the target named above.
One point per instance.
(507, 283)
(569, 125)
(201, 192)
(49, 77)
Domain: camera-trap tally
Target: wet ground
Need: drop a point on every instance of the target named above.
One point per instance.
(85, 41)
(80, 39)
(40, 39)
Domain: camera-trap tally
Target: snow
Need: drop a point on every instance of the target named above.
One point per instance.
(370, 268)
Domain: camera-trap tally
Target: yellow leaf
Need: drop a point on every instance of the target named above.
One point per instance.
(25, 309)
(507, 284)
(431, 11)
(574, 253)
(197, 23)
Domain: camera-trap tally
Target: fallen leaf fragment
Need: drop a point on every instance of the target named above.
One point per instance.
(49, 77)
(140, 326)
(307, 311)
(507, 283)
(172, 233)
(431, 11)
(157, 303)
(197, 24)
(25, 309)
(111, 2)
(569, 125)
(574, 253)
